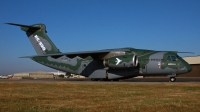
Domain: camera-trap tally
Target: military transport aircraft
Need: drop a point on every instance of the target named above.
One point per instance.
(108, 64)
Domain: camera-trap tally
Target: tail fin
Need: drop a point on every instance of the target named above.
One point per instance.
(40, 41)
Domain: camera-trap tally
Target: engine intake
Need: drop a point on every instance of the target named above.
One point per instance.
(123, 61)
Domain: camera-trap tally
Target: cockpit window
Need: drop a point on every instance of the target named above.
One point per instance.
(178, 57)
(173, 58)
(168, 58)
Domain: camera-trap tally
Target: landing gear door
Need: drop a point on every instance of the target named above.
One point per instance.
(144, 68)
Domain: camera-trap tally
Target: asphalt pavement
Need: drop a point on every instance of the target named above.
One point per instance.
(195, 80)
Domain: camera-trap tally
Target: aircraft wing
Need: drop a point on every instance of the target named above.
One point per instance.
(98, 54)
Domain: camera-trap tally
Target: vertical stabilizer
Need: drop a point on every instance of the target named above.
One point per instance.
(38, 38)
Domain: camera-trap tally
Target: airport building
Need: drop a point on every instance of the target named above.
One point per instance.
(76, 76)
(34, 75)
(44, 75)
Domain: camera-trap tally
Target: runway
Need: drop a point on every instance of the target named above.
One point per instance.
(179, 80)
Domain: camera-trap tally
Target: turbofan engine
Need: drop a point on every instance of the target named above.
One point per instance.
(123, 61)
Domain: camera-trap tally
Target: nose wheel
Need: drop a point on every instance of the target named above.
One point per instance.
(172, 79)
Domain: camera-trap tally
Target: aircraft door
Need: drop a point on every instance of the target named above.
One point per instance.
(144, 68)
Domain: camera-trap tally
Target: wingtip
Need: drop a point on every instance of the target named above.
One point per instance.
(8, 23)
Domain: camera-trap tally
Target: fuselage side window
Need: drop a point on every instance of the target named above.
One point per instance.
(173, 58)
(169, 58)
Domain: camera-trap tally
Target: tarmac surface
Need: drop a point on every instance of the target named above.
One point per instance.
(191, 80)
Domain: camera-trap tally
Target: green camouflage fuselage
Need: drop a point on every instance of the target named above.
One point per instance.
(149, 63)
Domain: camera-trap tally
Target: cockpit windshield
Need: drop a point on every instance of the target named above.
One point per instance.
(169, 58)
(178, 57)
(173, 58)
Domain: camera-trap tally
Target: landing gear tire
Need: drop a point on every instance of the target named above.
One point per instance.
(172, 79)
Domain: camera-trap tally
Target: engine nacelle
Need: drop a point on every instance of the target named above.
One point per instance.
(123, 61)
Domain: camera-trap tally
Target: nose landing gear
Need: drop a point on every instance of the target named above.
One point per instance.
(172, 79)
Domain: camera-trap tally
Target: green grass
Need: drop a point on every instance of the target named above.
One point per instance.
(71, 97)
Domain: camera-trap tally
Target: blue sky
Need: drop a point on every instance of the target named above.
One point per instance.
(83, 25)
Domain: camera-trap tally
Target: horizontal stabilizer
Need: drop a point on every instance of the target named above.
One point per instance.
(36, 28)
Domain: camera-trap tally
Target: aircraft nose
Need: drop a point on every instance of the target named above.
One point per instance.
(189, 68)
